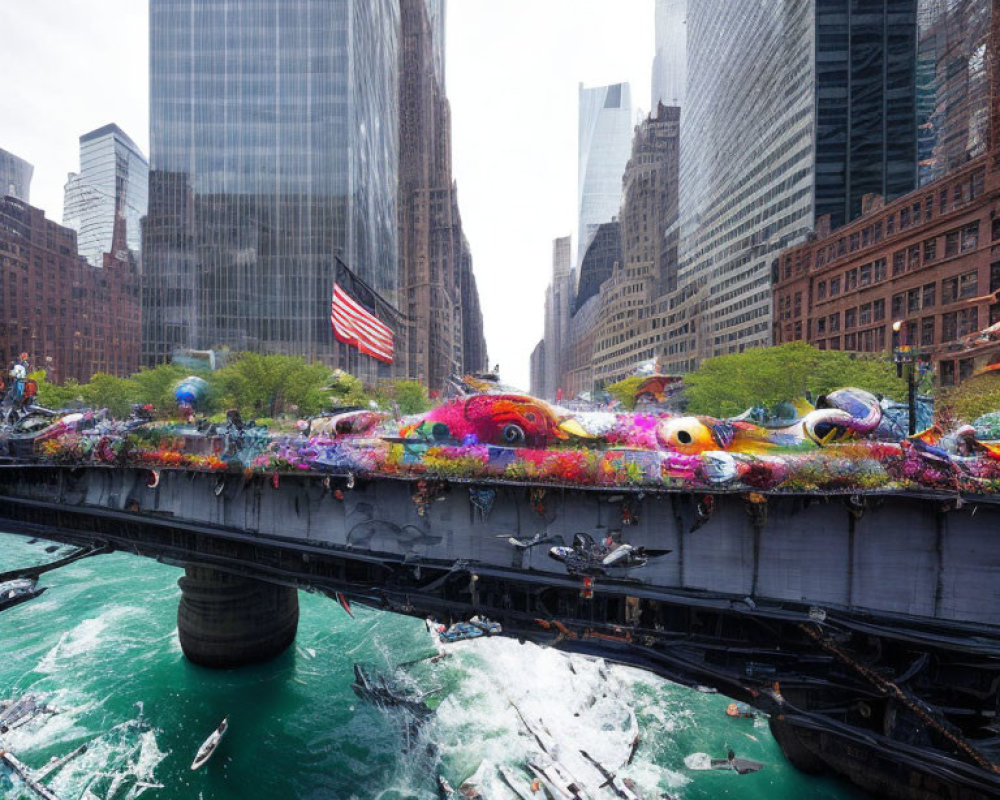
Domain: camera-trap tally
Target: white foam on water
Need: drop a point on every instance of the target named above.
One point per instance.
(88, 636)
(574, 703)
(698, 761)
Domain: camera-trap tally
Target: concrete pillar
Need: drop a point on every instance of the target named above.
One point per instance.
(227, 621)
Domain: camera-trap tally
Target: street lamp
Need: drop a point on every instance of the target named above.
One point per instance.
(902, 353)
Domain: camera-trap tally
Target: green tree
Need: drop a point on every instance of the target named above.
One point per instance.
(625, 390)
(110, 392)
(269, 385)
(344, 389)
(976, 396)
(54, 395)
(156, 385)
(411, 396)
(727, 385)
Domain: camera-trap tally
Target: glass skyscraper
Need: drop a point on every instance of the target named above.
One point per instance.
(15, 176)
(273, 152)
(794, 109)
(113, 181)
(605, 143)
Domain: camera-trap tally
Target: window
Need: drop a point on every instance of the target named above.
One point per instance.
(834, 322)
(968, 284)
(890, 225)
(949, 290)
(821, 290)
(930, 250)
(965, 368)
(970, 237)
(913, 300)
(904, 218)
(877, 232)
(996, 229)
(916, 213)
(898, 262)
(929, 295)
(880, 271)
(834, 342)
(995, 275)
(865, 275)
(834, 286)
(943, 202)
(850, 341)
(927, 331)
(821, 326)
(878, 309)
(850, 318)
(947, 373)
(866, 236)
(913, 257)
(841, 246)
(855, 241)
(850, 280)
(897, 305)
(865, 314)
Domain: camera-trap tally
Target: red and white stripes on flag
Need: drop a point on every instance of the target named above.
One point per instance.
(355, 326)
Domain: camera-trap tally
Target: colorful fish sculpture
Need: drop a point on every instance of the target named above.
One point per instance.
(844, 414)
(508, 420)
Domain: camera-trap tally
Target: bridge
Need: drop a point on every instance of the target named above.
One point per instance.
(864, 624)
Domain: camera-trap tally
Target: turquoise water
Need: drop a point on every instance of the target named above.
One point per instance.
(101, 646)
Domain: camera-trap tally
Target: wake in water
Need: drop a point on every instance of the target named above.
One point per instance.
(517, 716)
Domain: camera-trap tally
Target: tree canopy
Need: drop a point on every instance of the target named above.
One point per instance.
(728, 385)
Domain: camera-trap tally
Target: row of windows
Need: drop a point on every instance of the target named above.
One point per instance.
(961, 193)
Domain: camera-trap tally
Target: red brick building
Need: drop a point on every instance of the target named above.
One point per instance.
(72, 319)
(929, 260)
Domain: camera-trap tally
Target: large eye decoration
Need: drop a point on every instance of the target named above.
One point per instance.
(513, 434)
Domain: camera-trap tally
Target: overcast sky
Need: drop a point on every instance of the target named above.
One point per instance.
(513, 71)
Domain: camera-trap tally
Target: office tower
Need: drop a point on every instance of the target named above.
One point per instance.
(73, 319)
(795, 110)
(437, 289)
(273, 153)
(15, 176)
(627, 334)
(669, 76)
(558, 308)
(605, 140)
(112, 182)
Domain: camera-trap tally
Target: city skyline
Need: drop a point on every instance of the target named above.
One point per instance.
(516, 178)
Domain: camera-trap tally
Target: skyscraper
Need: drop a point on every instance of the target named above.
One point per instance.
(273, 152)
(437, 287)
(604, 144)
(15, 176)
(113, 181)
(795, 109)
(669, 76)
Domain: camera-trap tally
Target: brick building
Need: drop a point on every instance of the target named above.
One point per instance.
(73, 319)
(929, 260)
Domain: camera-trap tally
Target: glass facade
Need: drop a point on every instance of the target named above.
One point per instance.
(274, 150)
(669, 75)
(605, 143)
(795, 109)
(865, 103)
(953, 87)
(15, 176)
(113, 180)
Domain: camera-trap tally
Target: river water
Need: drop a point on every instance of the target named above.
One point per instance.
(100, 646)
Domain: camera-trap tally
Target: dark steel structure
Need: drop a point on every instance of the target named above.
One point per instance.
(867, 626)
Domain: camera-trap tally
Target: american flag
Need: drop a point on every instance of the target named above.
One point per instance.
(354, 325)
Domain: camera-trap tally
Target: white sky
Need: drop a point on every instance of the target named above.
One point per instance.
(513, 69)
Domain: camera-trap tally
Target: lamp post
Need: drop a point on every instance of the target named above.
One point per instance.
(903, 354)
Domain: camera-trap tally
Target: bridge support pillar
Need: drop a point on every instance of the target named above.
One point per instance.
(227, 621)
